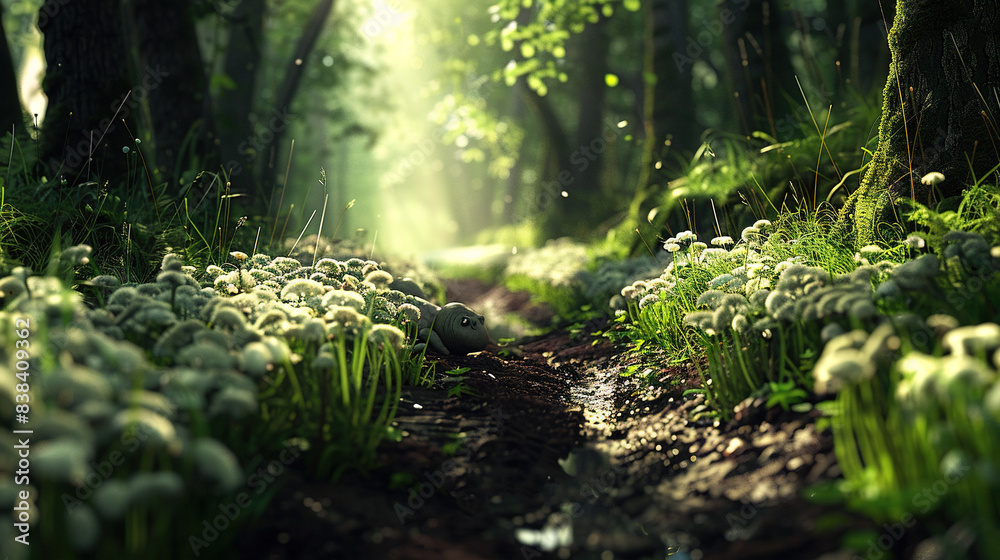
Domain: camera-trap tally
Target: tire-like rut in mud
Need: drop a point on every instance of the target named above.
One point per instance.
(557, 455)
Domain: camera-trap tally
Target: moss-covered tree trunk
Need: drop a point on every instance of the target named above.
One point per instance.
(939, 112)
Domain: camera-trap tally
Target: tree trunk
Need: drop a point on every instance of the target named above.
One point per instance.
(673, 121)
(938, 112)
(236, 100)
(87, 84)
(170, 80)
(667, 103)
(286, 94)
(11, 114)
(587, 159)
(556, 174)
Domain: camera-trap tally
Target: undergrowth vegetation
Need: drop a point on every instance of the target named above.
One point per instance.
(897, 344)
(151, 403)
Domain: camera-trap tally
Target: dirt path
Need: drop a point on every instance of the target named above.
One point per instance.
(559, 456)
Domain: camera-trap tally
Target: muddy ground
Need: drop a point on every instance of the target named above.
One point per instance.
(555, 454)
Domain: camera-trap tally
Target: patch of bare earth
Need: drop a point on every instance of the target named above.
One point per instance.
(557, 455)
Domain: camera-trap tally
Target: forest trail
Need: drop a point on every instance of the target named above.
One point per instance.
(557, 455)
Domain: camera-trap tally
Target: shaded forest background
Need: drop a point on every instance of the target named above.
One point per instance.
(442, 120)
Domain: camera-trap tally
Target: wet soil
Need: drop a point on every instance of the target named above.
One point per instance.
(553, 453)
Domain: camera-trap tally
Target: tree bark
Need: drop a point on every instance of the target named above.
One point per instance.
(939, 112)
(170, 77)
(588, 157)
(286, 94)
(236, 102)
(11, 114)
(87, 83)
(667, 102)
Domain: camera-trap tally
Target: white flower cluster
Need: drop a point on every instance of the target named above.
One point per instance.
(559, 263)
(161, 353)
(926, 382)
(801, 294)
(750, 268)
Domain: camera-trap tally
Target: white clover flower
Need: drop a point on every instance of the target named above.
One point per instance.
(869, 249)
(388, 335)
(720, 281)
(301, 288)
(313, 331)
(628, 292)
(740, 323)
(965, 372)
(239, 256)
(836, 369)
(686, 235)
(753, 268)
(234, 402)
(154, 487)
(713, 253)
(257, 359)
(172, 261)
(671, 247)
(749, 233)
(649, 299)
(213, 271)
(722, 241)
(761, 224)
(699, 319)
(972, 339)
(61, 460)
(11, 287)
(205, 355)
(756, 284)
(215, 462)
(157, 429)
(915, 242)
(323, 360)
(410, 312)
(933, 178)
(709, 298)
(227, 318)
(110, 499)
(347, 298)
(698, 246)
(831, 331)
(657, 284)
(379, 278)
(345, 315)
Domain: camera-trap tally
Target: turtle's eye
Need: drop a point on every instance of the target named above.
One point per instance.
(465, 321)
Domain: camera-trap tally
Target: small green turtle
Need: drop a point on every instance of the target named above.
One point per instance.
(452, 329)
